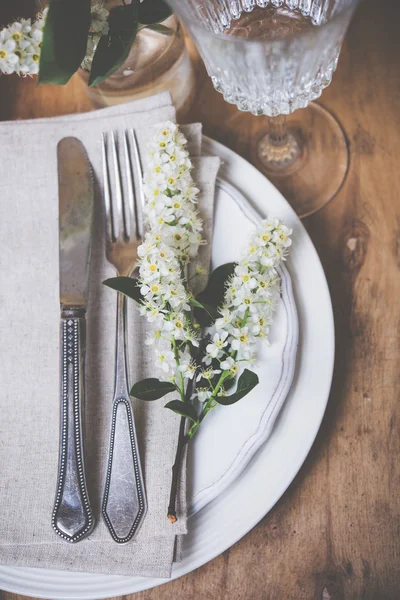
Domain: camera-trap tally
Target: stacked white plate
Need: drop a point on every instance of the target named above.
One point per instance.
(249, 453)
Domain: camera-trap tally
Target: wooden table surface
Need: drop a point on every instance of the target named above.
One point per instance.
(334, 535)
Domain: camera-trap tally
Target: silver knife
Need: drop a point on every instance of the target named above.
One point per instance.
(72, 515)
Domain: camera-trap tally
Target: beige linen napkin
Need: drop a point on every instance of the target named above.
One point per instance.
(29, 354)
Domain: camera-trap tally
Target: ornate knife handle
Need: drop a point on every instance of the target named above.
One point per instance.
(72, 515)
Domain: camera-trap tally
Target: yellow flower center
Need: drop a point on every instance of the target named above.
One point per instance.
(261, 322)
(16, 36)
(162, 144)
(178, 324)
(245, 277)
(178, 237)
(156, 192)
(3, 53)
(177, 204)
(173, 157)
(171, 180)
(263, 284)
(243, 338)
(266, 237)
(35, 57)
(165, 132)
(158, 169)
(154, 288)
(252, 250)
(153, 268)
(247, 301)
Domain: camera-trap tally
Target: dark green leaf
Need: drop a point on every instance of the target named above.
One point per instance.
(247, 381)
(114, 48)
(214, 292)
(153, 11)
(64, 40)
(205, 314)
(160, 29)
(183, 408)
(151, 389)
(127, 286)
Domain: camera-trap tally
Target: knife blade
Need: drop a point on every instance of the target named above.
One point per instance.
(72, 515)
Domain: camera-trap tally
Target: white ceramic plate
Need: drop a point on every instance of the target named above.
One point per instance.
(223, 522)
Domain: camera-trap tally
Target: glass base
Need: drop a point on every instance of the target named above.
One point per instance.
(310, 180)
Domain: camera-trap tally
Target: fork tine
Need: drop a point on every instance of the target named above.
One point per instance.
(130, 195)
(117, 206)
(106, 193)
(138, 182)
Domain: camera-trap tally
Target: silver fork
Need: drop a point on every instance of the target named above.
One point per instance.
(124, 500)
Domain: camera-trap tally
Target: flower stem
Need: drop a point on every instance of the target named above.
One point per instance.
(176, 469)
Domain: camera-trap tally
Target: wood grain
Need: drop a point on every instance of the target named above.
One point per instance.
(335, 533)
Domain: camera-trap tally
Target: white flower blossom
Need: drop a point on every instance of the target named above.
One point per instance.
(165, 361)
(20, 45)
(249, 299)
(187, 366)
(203, 394)
(173, 237)
(215, 349)
(171, 195)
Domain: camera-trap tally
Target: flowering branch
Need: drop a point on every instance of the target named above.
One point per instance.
(78, 33)
(234, 311)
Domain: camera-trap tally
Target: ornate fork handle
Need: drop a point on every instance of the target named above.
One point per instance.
(124, 501)
(72, 515)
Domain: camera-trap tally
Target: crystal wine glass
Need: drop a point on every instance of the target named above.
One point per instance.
(272, 57)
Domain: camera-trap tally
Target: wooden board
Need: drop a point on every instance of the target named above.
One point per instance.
(335, 533)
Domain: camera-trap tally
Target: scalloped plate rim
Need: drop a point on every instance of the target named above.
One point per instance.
(266, 422)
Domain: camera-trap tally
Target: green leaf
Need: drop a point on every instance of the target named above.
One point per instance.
(113, 49)
(153, 11)
(127, 286)
(214, 292)
(64, 40)
(151, 389)
(205, 314)
(183, 408)
(247, 381)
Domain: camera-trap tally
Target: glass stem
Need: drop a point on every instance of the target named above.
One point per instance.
(277, 132)
(278, 149)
